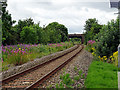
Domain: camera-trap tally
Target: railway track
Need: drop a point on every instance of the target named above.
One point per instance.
(34, 77)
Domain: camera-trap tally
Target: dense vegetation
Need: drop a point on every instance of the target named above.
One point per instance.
(13, 55)
(103, 46)
(27, 32)
(106, 36)
(91, 29)
(102, 41)
(27, 40)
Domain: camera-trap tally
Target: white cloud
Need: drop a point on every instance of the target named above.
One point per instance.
(73, 16)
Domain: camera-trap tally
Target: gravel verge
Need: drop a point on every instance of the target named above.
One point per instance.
(81, 61)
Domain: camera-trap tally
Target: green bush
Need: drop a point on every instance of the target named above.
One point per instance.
(108, 39)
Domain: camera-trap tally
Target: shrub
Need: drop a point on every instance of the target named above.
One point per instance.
(108, 39)
(18, 57)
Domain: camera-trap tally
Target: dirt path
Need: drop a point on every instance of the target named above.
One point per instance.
(81, 61)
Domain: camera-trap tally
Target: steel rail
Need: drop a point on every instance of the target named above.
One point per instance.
(31, 69)
(49, 74)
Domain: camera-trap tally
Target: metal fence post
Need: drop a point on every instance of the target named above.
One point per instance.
(119, 56)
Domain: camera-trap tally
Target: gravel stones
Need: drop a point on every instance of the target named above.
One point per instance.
(40, 72)
(81, 61)
(31, 64)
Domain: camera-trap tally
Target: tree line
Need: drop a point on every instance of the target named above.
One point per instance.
(27, 32)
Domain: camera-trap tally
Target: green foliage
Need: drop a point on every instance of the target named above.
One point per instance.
(18, 59)
(54, 36)
(67, 80)
(80, 72)
(21, 25)
(59, 48)
(75, 40)
(59, 29)
(75, 68)
(118, 69)
(102, 75)
(7, 22)
(42, 49)
(39, 31)
(50, 86)
(91, 29)
(108, 38)
(29, 35)
(4, 66)
(18, 54)
(77, 78)
(60, 86)
(83, 76)
(26, 31)
(78, 85)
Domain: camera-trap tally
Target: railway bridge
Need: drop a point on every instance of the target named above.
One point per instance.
(77, 36)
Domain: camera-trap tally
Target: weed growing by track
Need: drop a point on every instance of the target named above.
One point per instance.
(67, 81)
(22, 53)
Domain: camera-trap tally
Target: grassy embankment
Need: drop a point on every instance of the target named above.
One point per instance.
(102, 75)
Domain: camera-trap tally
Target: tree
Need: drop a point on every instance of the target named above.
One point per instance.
(108, 38)
(22, 24)
(54, 36)
(28, 35)
(92, 28)
(60, 29)
(7, 23)
(38, 32)
(45, 37)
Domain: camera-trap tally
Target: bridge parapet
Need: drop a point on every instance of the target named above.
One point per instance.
(77, 36)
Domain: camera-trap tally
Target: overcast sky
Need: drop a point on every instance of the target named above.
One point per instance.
(71, 13)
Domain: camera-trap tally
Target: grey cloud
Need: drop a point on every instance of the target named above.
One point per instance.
(104, 6)
(51, 12)
(75, 29)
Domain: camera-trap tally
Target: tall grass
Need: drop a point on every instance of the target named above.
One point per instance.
(22, 53)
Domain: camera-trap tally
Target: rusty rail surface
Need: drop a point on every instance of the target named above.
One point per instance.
(48, 75)
(30, 70)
